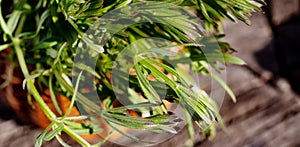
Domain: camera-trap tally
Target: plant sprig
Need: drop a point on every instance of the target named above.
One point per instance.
(45, 35)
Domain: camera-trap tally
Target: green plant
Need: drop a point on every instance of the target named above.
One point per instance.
(45, 35)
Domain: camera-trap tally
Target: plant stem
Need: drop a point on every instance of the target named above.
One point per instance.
(39, 99)
(76, 137)
(31, 86)
(81, 98)
(21, 25)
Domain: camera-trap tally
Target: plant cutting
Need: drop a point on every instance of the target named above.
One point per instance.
(104, 70)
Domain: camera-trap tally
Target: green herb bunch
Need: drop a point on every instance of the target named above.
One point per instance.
(46, 35)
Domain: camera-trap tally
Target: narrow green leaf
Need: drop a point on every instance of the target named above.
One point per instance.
(158, 73)
(233, 59)
(54, 132)
(4, 46)
(134, 106)
(158, 119)
(44, 16)
(169, 69)
(92, 45)
(221, 82)
(126, 2)
(125, 134)
(52, 95)
(202, 8)
(87, 131)
(3, 24)
(46, 44)
(147, 88)
(190, 129)
(13, 20)
(74, 96)
(39, 140)
(88, 69)
(225, 86)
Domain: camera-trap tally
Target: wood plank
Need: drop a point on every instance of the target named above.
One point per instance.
(284, 10)
(281, 134)
(245, 127)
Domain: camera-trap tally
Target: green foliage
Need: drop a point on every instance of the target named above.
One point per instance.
(45, 34)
